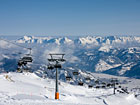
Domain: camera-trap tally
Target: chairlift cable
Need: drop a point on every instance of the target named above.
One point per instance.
(23, 61)
(16, 44)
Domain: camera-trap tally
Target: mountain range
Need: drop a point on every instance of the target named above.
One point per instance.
(111, 54)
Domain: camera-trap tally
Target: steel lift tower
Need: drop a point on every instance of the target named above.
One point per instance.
(56, 59)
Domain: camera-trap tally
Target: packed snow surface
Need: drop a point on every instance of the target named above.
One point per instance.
(29, 89)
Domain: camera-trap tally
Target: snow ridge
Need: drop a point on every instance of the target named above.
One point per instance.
(109, 40)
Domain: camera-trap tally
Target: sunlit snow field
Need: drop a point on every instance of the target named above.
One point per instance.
(29, 89)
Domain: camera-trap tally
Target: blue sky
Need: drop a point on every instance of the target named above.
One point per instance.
(69, 17)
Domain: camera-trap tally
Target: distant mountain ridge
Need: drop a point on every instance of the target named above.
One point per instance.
(81, 40)
(112, 54)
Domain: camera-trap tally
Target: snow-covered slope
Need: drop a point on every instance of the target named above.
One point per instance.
(29, 89)
(84, 55)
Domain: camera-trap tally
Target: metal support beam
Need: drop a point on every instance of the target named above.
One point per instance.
(114, 88)
(56, 86)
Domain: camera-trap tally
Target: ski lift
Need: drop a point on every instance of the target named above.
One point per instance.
(90, 86)
(87, 79)
(24, 63)
(111, 85)
(61, 59)
(50, 67)
(114, 80)
(97, 81)
(68, 78)
(120, 86)
(97, 87)
(125, 90)
(58, 66)
(27, 59)
(19, 70)
(80, 83)
(120, 91)
(20, 63)
(108, 85)
(103, 86)
(75, 73)
(103, 83)
(117, 83)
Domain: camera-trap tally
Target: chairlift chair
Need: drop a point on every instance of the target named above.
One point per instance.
(22, 63)
(120, 86)
(90, 86)
(27, 59)
(112, 85)
(62, 60)
(117, 83)
(50, 67)
(80, 83)
(97, 87)
(97, 82)
(103, 86)
(108, 85)
(58, 66)
(87, 79)
(68, 78)
(114, 80)
(19, 70)
(19, 63)
(103, 83)
(75, 73)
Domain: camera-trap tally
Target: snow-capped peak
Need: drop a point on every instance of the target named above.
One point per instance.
(89, 40)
